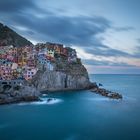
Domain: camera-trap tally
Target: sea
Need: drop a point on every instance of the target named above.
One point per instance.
(77, 115)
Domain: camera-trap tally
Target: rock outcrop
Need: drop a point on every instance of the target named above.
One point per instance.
(104, 92)
(74, 78)
(14, 94)
(64, 76)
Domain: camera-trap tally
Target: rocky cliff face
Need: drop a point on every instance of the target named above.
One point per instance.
(73, 77)
(14, 94)
(65, 75)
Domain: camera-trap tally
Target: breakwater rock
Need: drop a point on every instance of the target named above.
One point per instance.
(105, 92)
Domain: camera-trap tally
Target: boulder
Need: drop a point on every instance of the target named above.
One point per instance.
(24, 93)
(106, 93)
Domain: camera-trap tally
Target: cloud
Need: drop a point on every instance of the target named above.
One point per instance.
(45, 25)
(12, 6)
(138, 40)
(105, 69)
(106, 51)
(90, 58)
(82, 31)
(121, 29)
(137, 54)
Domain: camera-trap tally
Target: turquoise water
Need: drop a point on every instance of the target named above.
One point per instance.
(80, 115)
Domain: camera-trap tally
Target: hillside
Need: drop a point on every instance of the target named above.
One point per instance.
(10, 37)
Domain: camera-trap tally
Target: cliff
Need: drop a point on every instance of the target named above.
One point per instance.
(10, 37)
(66, 74)
(74, 79)
(18, 93)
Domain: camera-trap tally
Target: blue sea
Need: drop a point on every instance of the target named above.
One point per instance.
(77, 115)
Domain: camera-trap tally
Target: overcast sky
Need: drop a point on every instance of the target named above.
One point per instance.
(105, 33)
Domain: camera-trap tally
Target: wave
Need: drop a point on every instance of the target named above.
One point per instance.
(44, 95)
(44, 101)
(128, 98)
(102, 99)
(125, 99)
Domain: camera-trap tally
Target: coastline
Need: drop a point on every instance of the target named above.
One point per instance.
(20, 100)
(15, 93)
(62, 90)
(30, 94)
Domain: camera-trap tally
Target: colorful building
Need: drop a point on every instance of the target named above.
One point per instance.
(19, 63)
(50, 54)
(29, 73)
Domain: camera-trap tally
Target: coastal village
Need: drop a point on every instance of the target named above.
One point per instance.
(27, 69)
(22, 63)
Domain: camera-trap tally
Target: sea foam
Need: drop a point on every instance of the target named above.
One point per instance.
(44, 101)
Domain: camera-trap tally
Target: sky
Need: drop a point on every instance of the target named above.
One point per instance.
(105, 33)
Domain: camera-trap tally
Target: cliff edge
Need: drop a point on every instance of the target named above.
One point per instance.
(66, 75)
(18, 93)
(74, 79)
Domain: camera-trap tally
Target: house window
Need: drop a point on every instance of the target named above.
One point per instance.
(4, 83)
